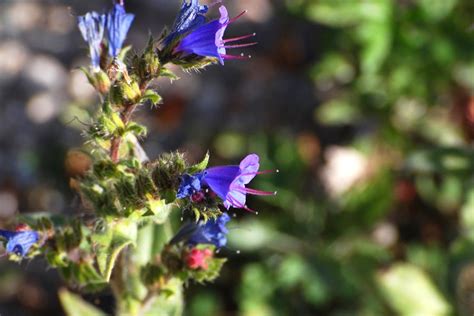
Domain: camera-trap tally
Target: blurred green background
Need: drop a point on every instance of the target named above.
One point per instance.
(365, 106)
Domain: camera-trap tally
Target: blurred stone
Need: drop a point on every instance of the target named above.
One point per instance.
(77, 163)
(24, 15)
(60, 19)
(8, 204)
(46, 199)
(79, 87)
(42, 108)
(13, 56)
(46, 71)
(344, 167)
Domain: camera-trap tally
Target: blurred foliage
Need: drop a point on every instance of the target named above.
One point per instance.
(392, 233)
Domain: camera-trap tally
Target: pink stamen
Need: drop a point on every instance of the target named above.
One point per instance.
(237, 17)
(255, 192)
(240, 205)
(225, 56)
(234, 39)
(240, 45)
(259, 172)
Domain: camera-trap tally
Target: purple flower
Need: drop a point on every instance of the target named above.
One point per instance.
(118, 24)
(189, 17)
(92, 26)
(213, 232)
(228, 182)
(207, 40)
(19, 242)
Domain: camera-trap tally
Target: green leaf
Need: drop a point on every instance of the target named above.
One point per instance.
(123, 53)
(160, 209)
(74, 305)
(200, 166)
(410, 292)
(165, 72)
(109, 244)
(151, 95)
(137, 129)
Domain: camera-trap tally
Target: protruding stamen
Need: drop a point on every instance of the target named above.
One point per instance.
(253, 191)
(237, 17)
(259, 172)
(225, 56)
(240, 45)
(234, 202)
(235, 39)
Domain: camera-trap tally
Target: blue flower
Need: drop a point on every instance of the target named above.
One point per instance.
(189, 185)
(92, 26)
(207, 40)
(118, 24)
(189, 17)
(19, 242)
(228, 182)
(213, 232)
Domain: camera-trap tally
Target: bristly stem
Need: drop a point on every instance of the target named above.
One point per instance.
(126, 115)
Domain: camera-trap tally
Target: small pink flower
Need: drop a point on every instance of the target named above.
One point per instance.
(198, 258)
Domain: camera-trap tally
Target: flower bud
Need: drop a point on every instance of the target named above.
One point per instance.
(102, 82)
(123, 93)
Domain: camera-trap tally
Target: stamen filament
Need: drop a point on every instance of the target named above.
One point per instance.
(237, 17)
(225, 56)
(240, 45)
(253, 191)
(234, 39)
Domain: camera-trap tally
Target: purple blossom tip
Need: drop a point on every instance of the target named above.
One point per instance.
(207, 40)
(228, 182)
(190, 16)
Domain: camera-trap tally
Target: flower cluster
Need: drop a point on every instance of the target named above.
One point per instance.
(227, 182)
(192, 36)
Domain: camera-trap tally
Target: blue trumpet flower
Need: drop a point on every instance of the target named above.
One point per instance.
(118, 23)
(92, 27)
(19, 242)
(191, 15)
(207, 40)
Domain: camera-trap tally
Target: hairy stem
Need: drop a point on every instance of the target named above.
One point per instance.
(126, 115)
